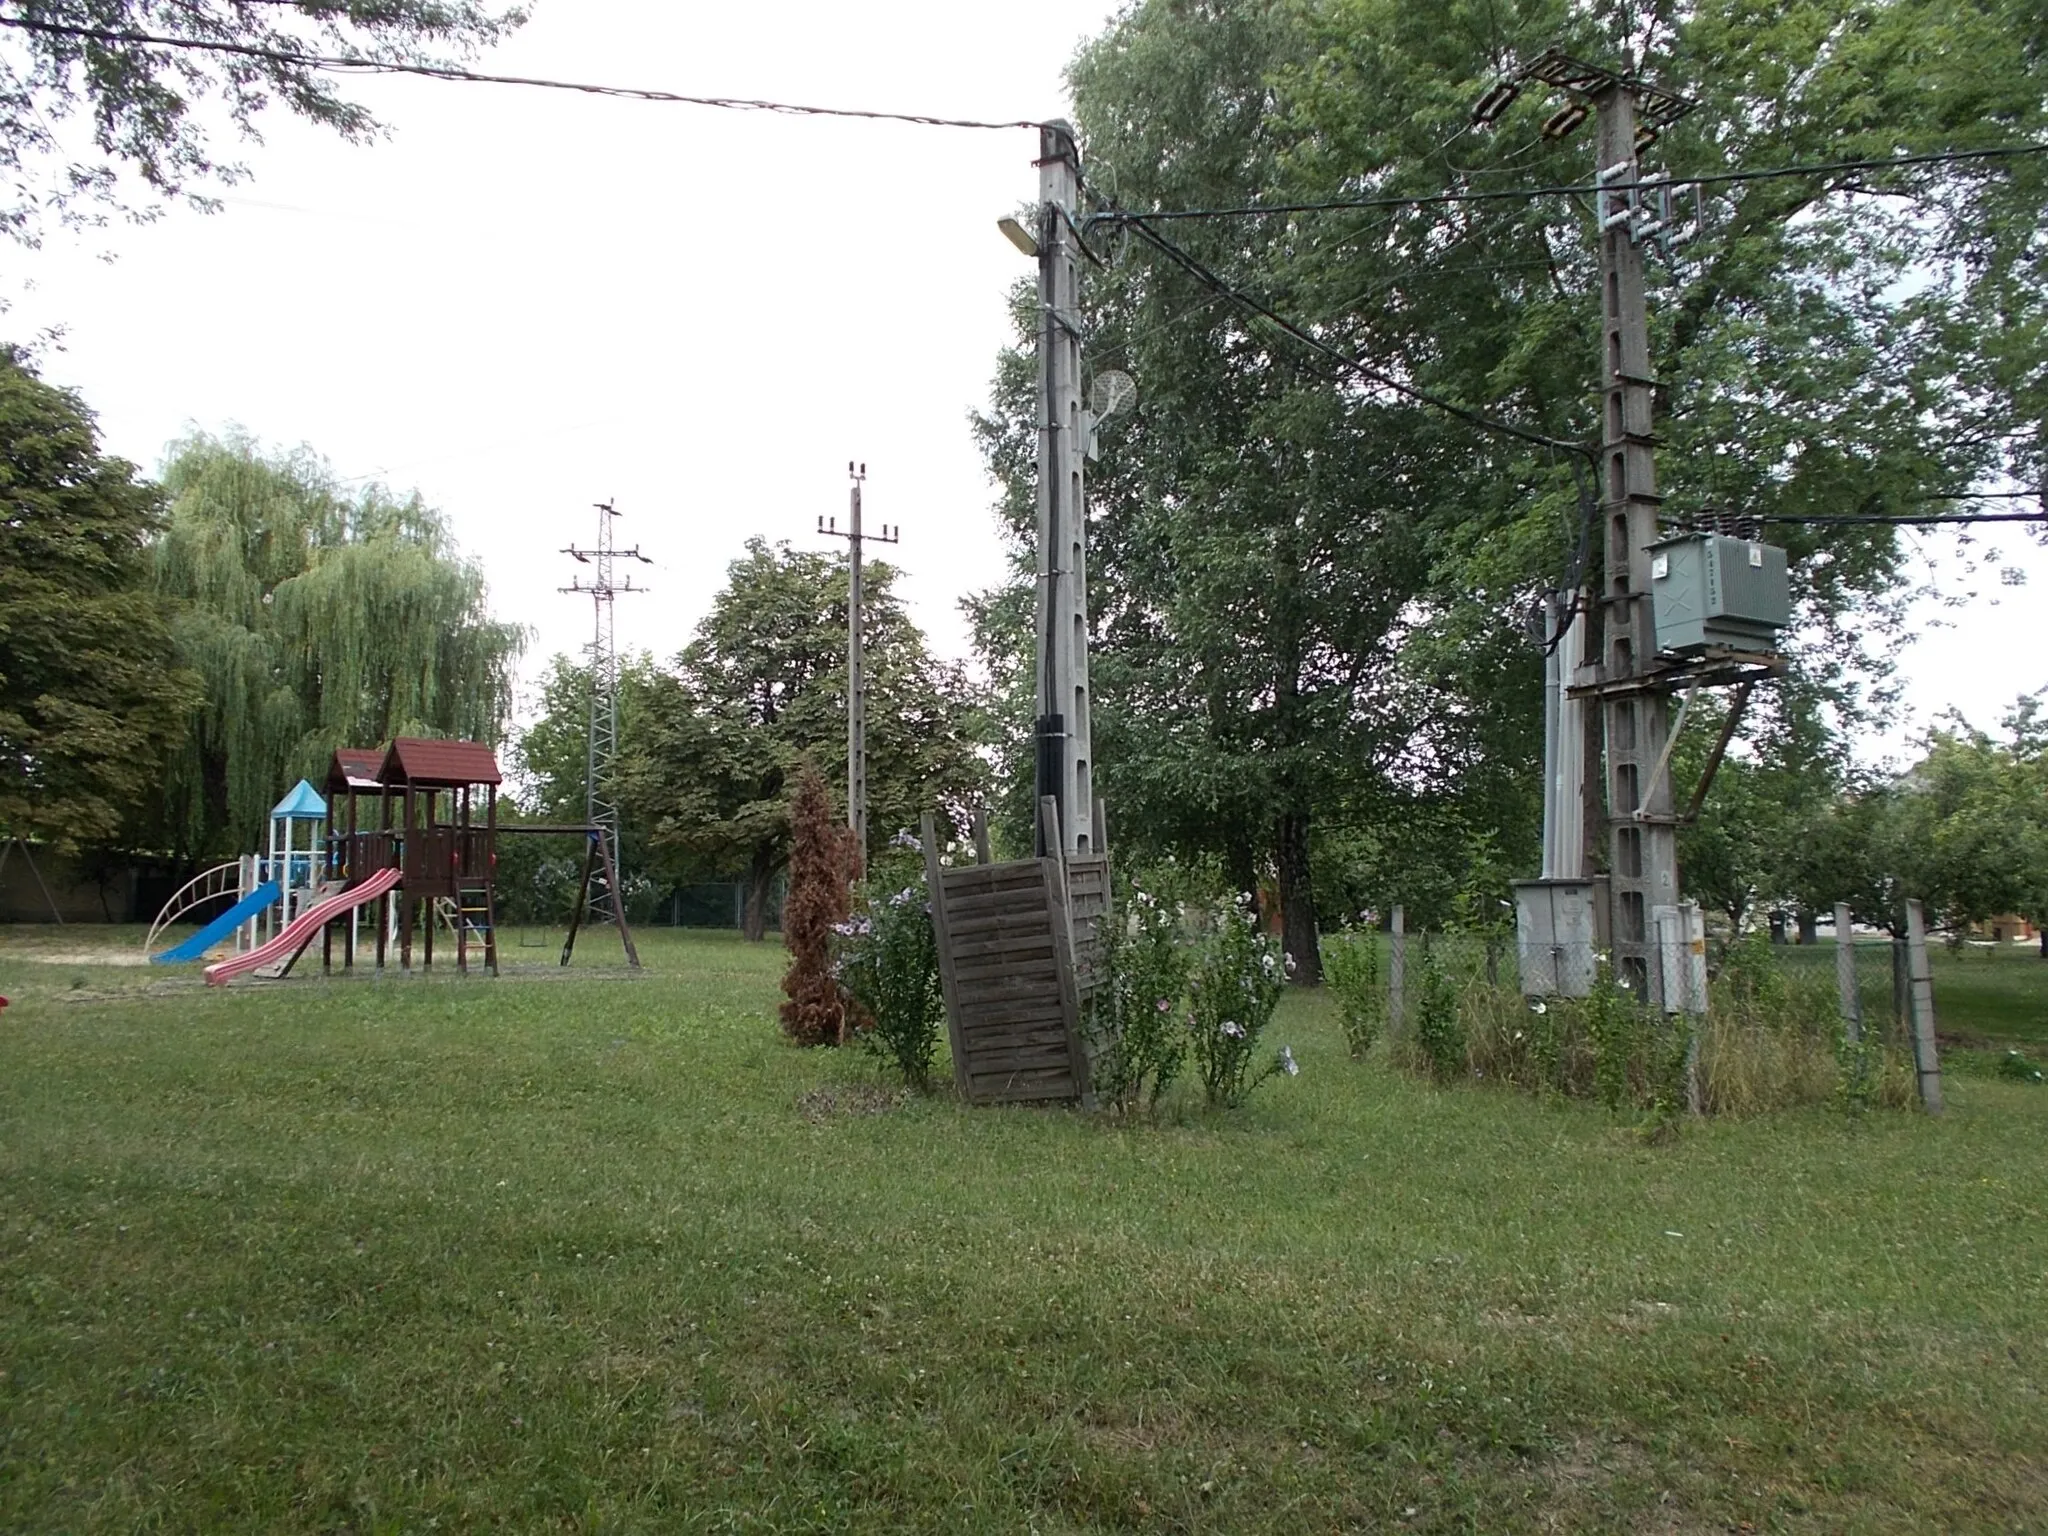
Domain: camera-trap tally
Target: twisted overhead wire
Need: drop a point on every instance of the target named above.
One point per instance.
(1346, 360)
(342, 64)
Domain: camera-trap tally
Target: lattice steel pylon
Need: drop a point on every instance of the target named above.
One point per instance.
(600, 793)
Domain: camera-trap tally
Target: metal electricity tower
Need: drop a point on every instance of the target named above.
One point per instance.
(600, 807)
(856, 665)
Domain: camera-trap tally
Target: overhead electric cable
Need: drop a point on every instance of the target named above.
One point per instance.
(1338, 355)
(1576, 189)
(344, 65)
(1885, 520)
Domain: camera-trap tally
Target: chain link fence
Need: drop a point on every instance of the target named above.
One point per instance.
(1777, 1024)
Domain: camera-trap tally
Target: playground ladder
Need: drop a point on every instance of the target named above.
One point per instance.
(475, 914)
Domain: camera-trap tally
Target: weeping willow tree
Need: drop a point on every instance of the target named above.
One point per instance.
(317, 620)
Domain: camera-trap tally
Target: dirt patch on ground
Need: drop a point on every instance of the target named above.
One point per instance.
(836, 1099)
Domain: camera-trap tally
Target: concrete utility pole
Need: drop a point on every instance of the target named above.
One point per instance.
(856, 666)
(600, 809)
(1065, 757)
(1643, 848)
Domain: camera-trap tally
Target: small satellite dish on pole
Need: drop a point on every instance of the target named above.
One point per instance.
(1113, 392)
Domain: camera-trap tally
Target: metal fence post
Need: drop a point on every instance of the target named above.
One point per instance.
(1926, 1060)
(1397, 974)
(1845, 974)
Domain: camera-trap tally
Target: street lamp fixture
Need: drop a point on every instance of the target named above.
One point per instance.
(1018, 236)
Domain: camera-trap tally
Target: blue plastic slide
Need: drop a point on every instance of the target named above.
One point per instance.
(195, 948)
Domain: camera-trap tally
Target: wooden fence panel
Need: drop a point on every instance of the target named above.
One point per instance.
(1012, 1009)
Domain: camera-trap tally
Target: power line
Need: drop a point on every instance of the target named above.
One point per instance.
(1886, 520)
(1980, 496)
(1338, 355)
(341, 65)
(1578, 189)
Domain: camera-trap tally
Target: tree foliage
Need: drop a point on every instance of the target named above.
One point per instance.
(1310, 592)
(316, 620)
(764, 684)
(90, 699)
(95, 94)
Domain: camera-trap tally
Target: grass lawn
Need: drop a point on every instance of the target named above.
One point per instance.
(600, 1253)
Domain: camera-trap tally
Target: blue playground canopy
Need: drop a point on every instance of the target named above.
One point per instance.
(302, 804)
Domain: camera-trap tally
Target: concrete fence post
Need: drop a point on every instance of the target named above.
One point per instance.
(1926, 1059)
(1397, 975)
(1845, 974)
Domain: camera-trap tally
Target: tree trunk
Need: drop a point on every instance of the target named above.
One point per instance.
(760, 885)
(1297, 899)
(1809, 927)
(2044, 943)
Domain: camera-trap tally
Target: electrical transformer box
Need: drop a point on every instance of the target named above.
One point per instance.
(1709, 590)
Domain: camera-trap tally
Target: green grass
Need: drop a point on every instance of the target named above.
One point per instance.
(600, 1253)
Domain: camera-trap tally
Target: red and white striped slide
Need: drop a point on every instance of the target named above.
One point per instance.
(299, 932)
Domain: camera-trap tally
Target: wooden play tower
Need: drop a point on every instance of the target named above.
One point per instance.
(430, 810)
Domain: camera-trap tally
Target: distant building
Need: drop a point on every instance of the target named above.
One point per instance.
(2006, 928)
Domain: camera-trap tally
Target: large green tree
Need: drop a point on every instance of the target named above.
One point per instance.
(105, 103)
(762, 686)
(1319, 582)
(317, 620)
(90, 697)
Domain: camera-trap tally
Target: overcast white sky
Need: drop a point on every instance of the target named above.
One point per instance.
(525, 302)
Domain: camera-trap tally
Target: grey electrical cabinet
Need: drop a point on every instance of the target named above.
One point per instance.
(1557, 935)
(1708, 590)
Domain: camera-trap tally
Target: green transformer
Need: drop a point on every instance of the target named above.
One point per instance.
(1709, 592)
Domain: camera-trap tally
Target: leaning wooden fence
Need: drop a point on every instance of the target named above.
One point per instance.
(1007, 960)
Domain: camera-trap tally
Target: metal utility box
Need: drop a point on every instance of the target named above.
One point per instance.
(1557, 936)
(1708, 590)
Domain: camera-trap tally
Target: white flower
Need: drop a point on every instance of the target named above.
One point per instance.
(1539, 1006)
(1291, 967)
(1287, 1062)
(1231, 1028)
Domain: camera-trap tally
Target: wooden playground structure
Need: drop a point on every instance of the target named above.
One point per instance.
(412, 843)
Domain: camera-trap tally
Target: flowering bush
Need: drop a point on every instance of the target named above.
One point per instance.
(1237, 981)
(1136, 1037)
(887, 961)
